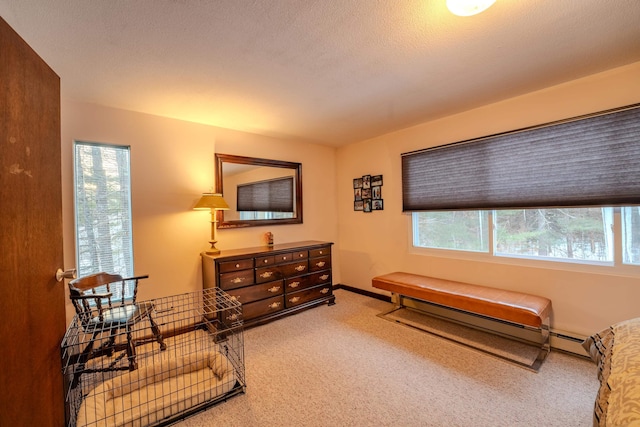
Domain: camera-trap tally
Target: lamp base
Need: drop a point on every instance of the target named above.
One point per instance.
(213, 250)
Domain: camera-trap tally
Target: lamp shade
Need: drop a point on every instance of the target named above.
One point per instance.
(212, 201)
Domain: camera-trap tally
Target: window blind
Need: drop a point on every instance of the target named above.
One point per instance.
(274, 195)
(586, 161)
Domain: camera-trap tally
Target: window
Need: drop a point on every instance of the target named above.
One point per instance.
(582, 234)
(274, 195)
(576, 235)
(631, 235)
(244, 215)
(459, 230)
(103, 210)
(562, 173)
(268, 199)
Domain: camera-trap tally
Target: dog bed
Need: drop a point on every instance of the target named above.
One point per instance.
(150, 394)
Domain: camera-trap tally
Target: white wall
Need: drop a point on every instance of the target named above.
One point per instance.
(172, 164)
(379, 242)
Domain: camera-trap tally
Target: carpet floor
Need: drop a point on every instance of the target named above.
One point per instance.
(345, 366)
(515, 351)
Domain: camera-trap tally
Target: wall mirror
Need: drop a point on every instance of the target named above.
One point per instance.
(258, 191)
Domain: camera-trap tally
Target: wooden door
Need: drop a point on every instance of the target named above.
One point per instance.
(32, 312)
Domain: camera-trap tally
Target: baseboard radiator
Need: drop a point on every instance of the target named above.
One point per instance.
(559, 340)
(568, 342)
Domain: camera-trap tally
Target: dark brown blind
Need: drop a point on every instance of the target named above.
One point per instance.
(591, 160)
(274, 195)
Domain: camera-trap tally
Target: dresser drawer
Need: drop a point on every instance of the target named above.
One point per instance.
(265, 261)
(256, 292)
(321, 263)
(300, 255)
(320, 277)
(288, 257)
(268, 274)
(236, 279)
(295, 268)
(297, 298)
(242, 264)
(295, 284)
(263, 307)
(313, 253)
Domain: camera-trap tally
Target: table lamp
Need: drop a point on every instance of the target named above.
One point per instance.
(215, 202)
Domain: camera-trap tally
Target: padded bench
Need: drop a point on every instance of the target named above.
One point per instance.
(513, 307)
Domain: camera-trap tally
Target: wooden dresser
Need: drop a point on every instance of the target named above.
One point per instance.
(272, 282)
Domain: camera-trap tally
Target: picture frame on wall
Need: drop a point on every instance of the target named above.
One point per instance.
(376, 192)
(367, 193)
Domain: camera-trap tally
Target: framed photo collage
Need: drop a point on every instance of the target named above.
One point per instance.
(367, 193)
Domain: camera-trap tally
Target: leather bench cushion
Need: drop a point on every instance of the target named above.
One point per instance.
(502, 304)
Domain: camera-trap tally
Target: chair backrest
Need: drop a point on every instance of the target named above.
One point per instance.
(88, 300)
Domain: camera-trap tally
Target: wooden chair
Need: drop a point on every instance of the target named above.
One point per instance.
(104, 315)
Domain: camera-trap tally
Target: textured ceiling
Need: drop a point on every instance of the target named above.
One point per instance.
(325, 71)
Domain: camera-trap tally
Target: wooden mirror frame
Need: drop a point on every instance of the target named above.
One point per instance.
(228, 158)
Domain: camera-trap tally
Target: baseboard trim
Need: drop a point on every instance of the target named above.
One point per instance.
(381, 297)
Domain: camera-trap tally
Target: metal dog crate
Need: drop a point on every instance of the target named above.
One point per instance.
(203, 363)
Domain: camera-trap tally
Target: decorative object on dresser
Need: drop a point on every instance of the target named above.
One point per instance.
(271, 282)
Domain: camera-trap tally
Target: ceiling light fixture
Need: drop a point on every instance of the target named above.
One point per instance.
(468, 7)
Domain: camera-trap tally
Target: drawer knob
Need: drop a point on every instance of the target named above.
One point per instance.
(274, 305)
(237, 265)
(321, 252)
(284, 257)
(300, 255)
(266, 261)
(324, 291)
(238, 280)
(294, 299)
(274, 289)
(294, 284)
(301, 268)
(321, 264)
(266, 274)
(324, 277)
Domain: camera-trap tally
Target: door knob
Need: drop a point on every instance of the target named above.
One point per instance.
(67, 274)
